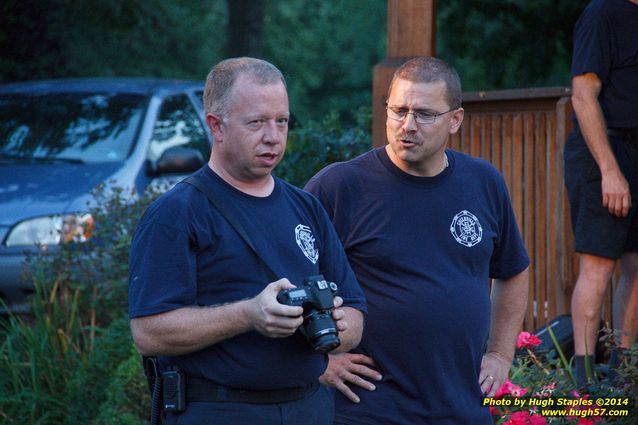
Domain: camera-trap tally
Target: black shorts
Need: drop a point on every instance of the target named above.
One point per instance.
(596, 230)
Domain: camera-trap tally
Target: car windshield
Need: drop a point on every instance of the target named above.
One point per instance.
(69, 127)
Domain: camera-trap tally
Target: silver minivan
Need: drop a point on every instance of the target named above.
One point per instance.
(59, 139)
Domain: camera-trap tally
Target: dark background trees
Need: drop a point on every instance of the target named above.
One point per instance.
(326, 49)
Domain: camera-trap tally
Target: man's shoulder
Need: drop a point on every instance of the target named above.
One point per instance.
(604, 11)
(298, 195)
(172, 206)
(473, 164)
(344, 171)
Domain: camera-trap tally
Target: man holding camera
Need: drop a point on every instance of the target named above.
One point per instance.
(228, 351)
(425, 228)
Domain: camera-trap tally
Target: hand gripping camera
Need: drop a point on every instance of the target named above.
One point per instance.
(316, 297)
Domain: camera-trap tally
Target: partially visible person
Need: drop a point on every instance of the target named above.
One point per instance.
(601, 172)
(425, 228)
(202, 301)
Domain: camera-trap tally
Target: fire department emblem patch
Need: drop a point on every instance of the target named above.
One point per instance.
(306, 241)
(466, 229)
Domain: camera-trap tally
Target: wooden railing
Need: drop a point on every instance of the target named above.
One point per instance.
(522, 132)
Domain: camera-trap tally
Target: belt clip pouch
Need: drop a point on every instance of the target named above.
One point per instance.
(174, 391)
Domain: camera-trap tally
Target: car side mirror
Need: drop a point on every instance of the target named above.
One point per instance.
(177, 160)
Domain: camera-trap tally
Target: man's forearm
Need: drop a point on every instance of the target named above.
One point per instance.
(351, 337)
(509, 303)
(188, 329)
(591, 121)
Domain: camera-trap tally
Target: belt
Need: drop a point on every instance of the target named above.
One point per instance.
(628, 135)
(198, 389)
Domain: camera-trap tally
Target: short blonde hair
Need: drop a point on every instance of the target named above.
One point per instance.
(222, 76)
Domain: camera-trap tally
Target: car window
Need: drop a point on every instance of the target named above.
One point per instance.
(74, 127)
(178, 125)
(199, 98)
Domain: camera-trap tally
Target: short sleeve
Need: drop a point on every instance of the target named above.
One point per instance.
(162, 268)
(592, 44)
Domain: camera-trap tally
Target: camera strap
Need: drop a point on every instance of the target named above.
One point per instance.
(218, 203)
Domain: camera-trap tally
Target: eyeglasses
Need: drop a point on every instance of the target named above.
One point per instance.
(421, 117)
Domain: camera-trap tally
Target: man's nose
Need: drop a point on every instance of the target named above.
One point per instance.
(271, 132)
(409, 123)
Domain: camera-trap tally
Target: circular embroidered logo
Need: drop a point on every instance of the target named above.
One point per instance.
(466, 229)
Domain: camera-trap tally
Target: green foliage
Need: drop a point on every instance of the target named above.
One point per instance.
(108, 363)
(317, 144)
(326, 50)
(154, 38)
(127, 397)
(497, 44)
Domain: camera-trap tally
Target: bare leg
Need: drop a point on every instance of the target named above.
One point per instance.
(587, 301)
(625, 313)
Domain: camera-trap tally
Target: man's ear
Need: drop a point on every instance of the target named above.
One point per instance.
(214, 123)
(456, 120)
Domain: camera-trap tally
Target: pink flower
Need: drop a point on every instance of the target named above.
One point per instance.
(537, 420)
(585, 421)
(508, 388)
(518, 418)
(524, 418)
(527, 340)
(504, 389)
(517, 391)
(546, 391)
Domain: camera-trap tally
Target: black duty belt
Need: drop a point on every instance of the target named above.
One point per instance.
(628, 135)
(198, 389)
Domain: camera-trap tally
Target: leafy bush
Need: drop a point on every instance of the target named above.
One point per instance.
(317, 144)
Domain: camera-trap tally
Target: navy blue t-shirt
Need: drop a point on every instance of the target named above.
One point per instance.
(606, 43)
(423, 250)
(185, 253)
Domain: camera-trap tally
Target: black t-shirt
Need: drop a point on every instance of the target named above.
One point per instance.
(606, 43)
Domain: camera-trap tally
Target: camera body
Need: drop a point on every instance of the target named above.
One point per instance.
(316, 296)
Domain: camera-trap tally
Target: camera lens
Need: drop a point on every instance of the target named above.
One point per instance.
(321, 331)
(326, 343)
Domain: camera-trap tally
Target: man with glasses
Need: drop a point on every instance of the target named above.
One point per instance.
(425, 228)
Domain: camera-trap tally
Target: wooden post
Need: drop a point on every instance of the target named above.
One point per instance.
(411, 32)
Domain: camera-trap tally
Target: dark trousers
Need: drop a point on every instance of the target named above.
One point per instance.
(316, 409)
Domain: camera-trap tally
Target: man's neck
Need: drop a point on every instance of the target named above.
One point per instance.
(260, 187)
(435, 166)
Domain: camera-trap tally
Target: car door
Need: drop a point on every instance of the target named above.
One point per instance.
(179, 142)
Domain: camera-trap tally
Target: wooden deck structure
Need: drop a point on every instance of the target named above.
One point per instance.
(522, 132)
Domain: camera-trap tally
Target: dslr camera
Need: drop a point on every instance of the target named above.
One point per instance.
(316, 297)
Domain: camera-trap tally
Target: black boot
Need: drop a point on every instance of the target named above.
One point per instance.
(580, 372)
(611, 368)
